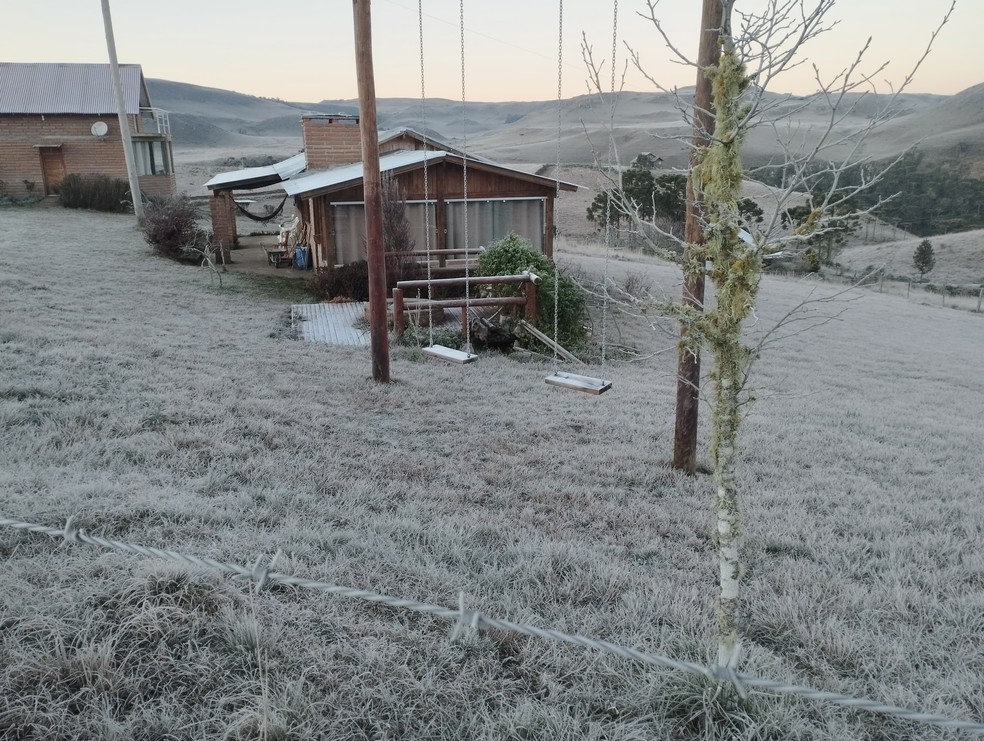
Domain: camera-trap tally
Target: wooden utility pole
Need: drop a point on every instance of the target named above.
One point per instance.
(371, 182)
(688, 369)
(114, 69)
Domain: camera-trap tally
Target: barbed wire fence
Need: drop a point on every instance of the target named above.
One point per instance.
(262, 574)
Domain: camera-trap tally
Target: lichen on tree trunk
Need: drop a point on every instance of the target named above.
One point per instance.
(735, 276)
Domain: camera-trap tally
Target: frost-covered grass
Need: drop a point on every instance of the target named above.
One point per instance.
(161, 410)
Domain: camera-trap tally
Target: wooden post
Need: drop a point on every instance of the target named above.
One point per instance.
(530, 289)
(688, 366)
(398, 312)
(550, 227)
(371, 182)
(114, 68)
(980, 297)
(441, 224)
(908, 287)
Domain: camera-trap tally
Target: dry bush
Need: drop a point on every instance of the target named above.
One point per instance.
(171, 228)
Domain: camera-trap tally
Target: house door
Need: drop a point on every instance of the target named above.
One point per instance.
(52, 168)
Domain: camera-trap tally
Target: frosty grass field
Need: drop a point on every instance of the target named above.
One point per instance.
(161, 410)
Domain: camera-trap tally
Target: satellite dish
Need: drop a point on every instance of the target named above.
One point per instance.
(99, 128)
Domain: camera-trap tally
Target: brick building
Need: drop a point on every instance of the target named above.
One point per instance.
(61, 119)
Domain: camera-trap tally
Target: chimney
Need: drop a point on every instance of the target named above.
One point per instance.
(331, 140)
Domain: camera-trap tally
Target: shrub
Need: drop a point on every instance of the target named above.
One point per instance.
(171, 228)
(348, 281)
(415, 336)
(96, 193)
(512, 255)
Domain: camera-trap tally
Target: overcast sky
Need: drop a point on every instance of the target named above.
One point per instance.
(302, 50)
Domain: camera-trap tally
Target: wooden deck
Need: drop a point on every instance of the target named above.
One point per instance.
(332, 324)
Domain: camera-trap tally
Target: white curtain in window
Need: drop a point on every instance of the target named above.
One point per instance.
(494, 219)
(349, 222)
(415, 215)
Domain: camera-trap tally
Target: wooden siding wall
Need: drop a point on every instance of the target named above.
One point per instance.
(83, 153)
(402, 143)
(445, 183)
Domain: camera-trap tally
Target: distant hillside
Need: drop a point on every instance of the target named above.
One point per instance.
(959, 257)
(952, 129)
(526, 132)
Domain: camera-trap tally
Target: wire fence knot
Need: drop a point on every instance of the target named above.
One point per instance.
(261, 570)
(71, 533)
(466, 618)
(728, 674)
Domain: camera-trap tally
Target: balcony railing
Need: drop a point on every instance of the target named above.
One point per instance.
(160, 120)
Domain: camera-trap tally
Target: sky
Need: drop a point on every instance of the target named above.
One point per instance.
(303, 50)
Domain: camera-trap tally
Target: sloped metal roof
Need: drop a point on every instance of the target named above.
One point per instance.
(342, 177)
(255, 177)
(68, 88)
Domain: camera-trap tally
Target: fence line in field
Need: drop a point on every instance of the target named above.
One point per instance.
(262, 574)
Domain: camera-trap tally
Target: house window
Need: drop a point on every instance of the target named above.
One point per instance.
(349, 220)
(494, 219)
(153, 157)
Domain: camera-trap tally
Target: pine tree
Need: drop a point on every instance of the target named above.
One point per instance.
(924, 259)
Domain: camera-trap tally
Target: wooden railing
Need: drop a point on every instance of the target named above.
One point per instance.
(528, 280)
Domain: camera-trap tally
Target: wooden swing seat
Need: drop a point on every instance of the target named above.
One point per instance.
(573, 381)
(449, 354)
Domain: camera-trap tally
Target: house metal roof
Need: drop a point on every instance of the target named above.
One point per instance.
(342, 177)
(255, 177)
(69, 88)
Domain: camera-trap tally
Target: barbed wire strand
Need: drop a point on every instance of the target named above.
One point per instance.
(262, 575)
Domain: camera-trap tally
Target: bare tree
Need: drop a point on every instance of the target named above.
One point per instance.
(827, 170)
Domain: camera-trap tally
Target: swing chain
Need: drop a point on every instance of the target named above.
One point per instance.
(464, 174)
(560, 98)
(609, 236)
(427, 232)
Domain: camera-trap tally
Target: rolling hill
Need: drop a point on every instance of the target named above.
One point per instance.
(951, 127)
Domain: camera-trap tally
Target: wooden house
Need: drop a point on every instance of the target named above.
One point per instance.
(328, 194)
(61, 119)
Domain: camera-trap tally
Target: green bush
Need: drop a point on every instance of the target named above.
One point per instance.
(512, 255)
(171, 228)
(96, 193)
(348, 281)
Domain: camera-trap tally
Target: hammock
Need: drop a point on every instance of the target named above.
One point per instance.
(269, 217)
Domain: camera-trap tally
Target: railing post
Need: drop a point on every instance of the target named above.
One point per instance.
(398, 312)
(530, 288)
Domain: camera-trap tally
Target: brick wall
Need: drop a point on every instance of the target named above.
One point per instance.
(223, 210)
(83, 153)
(331, 141)
(152, 186)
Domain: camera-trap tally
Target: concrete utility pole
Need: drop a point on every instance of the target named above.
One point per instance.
(379, 338)
(114, 68)
(688, 369)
